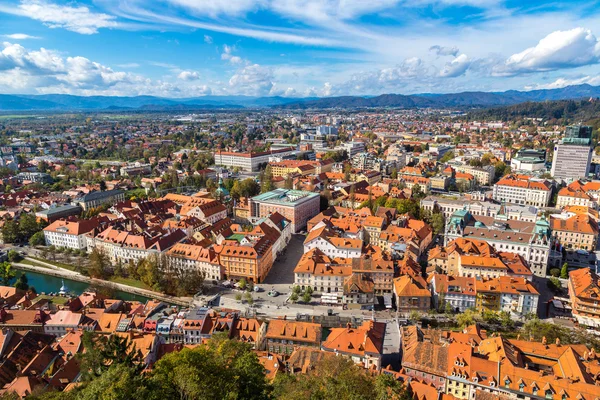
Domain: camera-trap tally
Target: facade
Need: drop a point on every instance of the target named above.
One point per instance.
(325, 240)
(579, 193)
(367, 162)
(248, 161)
(481, 208)
(573, 155)
(300, 167)
(584, 292)
(458, 293)
(125, 247)
(251, 262)
(208, 210)
(192, 257)
(35, 177)
(483, 175)
(99, 198)
(136, 169)
(518, 189)
(516, 296)
(529, 160)
(411, 294)
(363, 345)
(578, 232)
(295, 205)
(53, 213)
(69, 234)
(283, 336)
(532, 241)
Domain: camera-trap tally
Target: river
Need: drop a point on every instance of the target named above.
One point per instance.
(52, 284)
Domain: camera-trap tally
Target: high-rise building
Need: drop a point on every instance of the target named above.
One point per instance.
(573, 155)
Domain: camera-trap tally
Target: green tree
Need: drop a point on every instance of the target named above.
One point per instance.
(236, 191)
(224, 369)
(294, 297)
(98, 267)
(242, 284)
(7, 273)
(37, 239)
(28, 226)
(564, 271)
(102, 352)
(118, 383)
(14, 256)
(10, 231)
(266, 180)
(22, 282)
(333, 377)
(306, 297)
(437, 222)
(554, 284)
(389, 388)
(417, 191)
(467, 318)
(555, 272)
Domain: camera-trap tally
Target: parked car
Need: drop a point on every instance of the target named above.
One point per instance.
(273, 293)
(257, 289)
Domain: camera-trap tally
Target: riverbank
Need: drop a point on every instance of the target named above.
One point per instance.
(75, 276)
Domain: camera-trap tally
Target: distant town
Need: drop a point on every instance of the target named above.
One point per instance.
(431, 254)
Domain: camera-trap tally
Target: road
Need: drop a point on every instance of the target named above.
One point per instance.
(391, 344)
(282, 271)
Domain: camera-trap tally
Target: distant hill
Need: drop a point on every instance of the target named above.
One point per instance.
(459, 100)
(569, 111)
(63, 102)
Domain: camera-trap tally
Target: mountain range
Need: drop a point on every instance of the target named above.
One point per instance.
(64, 102)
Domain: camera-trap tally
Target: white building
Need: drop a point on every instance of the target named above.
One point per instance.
(523, 190)
(331, 246)
(449, 206)
(69, 234)
(248, 161)
(189, 257)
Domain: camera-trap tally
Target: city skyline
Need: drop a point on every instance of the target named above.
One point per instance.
(292, 48)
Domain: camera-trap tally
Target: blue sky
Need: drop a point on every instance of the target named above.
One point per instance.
(295, 48)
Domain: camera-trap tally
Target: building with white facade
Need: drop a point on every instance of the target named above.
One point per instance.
(448, 206)
(188, 257)
(248, 161)
(69, 234)
(573, 155)
(519, 189)
(325, 240)
(532, 241)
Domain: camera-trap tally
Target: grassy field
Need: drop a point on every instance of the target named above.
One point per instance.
(55, 263)
(15, 116)
(130, 282)
(33, 263)
(59, 300)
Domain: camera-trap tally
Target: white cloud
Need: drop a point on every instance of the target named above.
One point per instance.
(564, 82)
(20, 36)
(228, 55)
(188, 75)
(129, 65)
(215, 8)
(208, 39)
(560, 49)
(444, 50)
(252, 80)
(456, 67)
(74, 18)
